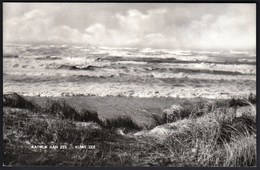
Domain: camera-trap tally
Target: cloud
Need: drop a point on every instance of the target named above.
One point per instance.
(28, 26)
(37, 26)
(131, 31)
(223, 31)
(183, 26)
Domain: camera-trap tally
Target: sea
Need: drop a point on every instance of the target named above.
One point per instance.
(64, 70)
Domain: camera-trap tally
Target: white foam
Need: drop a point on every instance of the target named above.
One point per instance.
(132, 62)
(79, 60)
(192, 58)
(247, 60)
(238, 52)
(122, 89)
(242, 68)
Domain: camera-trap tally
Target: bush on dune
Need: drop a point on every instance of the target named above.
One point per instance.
(58, 108)
(66, 111)
(120, 121)
(17, 101)
(188, 109)
(238, 101)
(238, 126)
(199, 107)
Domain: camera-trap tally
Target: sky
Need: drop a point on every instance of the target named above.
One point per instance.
(147, 25)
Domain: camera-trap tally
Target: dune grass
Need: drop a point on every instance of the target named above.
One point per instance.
(216, 139)
(202, 134)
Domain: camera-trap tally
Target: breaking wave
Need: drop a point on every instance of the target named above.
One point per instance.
(60, 70)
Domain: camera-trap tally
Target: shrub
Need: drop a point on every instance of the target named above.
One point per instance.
(66, 111)
(120, 121)
(237, 127)
(17, 101)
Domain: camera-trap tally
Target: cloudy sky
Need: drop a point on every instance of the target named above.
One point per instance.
(158, 25)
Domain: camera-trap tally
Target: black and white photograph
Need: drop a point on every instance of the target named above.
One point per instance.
(129, 84)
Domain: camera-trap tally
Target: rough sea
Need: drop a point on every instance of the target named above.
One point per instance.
(62, 70)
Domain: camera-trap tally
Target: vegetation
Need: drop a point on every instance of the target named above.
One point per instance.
(200, 133)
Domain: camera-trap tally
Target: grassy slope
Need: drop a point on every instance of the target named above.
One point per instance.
(204, 133)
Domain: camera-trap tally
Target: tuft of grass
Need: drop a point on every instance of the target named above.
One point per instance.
(66, 111)
(238, 101)
(17, 101)
(60, 108)
(240, 153)
(120, 121)
(190, 109)
(237, 127)
(198, 107)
